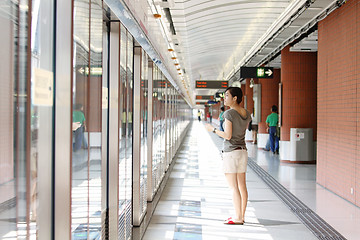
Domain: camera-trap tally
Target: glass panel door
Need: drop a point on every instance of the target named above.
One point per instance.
(143, 130)
(26, 122)
(93, 134)
(129, 136)
(86, 192)
(125, 134)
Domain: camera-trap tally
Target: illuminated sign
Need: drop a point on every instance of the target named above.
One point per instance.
(144, 83)
(212, 84)
(95, 71)
(256, 72)
(204, 97)
(160, 84)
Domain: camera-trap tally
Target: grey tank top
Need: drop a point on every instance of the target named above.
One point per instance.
(239, 126)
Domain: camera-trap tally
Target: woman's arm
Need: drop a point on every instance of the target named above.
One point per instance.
(227, 134)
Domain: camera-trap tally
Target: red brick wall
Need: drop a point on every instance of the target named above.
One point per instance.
(216, 110)
(243, 90)
(299, 79)
(338, 149)
(249, 95)
(269, 97)
(206, 110)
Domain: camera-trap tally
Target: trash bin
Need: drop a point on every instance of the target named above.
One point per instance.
(301, 144)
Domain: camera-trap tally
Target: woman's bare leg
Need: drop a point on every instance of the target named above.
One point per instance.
(241, 182)
(233, 183)
(254, 135)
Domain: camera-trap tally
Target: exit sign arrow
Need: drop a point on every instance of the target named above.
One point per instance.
(269, 72)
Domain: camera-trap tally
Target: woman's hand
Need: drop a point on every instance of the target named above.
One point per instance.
(209, 127)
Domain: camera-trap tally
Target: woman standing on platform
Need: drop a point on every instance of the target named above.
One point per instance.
(234, 152)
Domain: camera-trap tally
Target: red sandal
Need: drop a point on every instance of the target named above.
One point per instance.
(229, 221)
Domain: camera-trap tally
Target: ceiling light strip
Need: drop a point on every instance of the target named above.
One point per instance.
(129, 21)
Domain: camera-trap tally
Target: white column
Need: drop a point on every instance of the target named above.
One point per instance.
(62, 207)
(137, 211)
(114, 130)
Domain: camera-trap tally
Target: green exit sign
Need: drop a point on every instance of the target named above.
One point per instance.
(256, 72)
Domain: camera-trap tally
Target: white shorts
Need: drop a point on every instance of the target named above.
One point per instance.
(235, 161)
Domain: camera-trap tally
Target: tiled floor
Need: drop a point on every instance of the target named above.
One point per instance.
(300, 180)
(196, 199)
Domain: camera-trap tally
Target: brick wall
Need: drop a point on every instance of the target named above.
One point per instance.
(206, 110)
(299, 79)
(269, 97)
(338, 151)
(249, 96)
(243, 87)
(216, 110)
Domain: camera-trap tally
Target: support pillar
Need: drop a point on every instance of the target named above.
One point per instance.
(248, 96)
(248, 105)
(299, 91)
(242, 104)
(269, 97)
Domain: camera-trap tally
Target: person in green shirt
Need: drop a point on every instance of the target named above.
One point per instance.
(78, 126)
(221, 118)
(271, 123)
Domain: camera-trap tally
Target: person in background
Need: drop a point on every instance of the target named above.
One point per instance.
(254, 128)
(271, 123)
(234, 152)
(130, 123)
(208, 116)
(123, 123)
(78, 126)
(221, 118)
(199, 115)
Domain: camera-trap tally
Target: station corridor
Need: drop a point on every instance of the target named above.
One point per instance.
(196, 199)
(101, 108)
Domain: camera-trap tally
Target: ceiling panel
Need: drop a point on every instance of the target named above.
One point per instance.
(214, 36)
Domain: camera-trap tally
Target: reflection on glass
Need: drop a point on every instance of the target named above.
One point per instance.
(26, 123)
(125, 134)
(9, 123)
(123, 118)
(158, 127)
(86, 120)
(178, 115)
(9, 21)
(41, 111)
(80, 170)
(143, 119)
(128, 154)
(94, 133)
(162, 100)
(155, 157)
